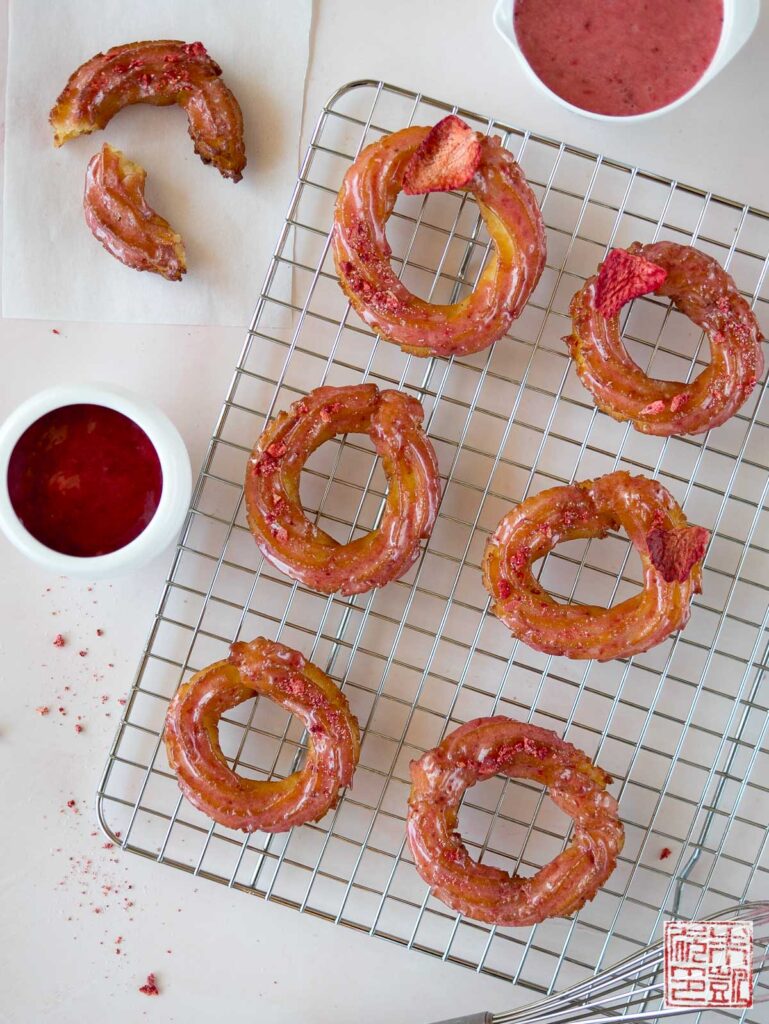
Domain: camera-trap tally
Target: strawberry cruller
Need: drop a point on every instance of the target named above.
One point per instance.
(267, 669)
(479, 750)
(700, 289)
(160, 72)
(671, 553)
(300, 547)
(417, 160)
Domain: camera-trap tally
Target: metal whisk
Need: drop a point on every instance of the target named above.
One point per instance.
(632, 989)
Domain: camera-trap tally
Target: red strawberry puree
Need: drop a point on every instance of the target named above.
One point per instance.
(85, 480)
(619, 57)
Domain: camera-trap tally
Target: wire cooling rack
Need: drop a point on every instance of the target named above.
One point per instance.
(682, 728)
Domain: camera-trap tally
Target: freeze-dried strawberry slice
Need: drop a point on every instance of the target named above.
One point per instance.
(623, 277)
(447, 158)
(674, 552)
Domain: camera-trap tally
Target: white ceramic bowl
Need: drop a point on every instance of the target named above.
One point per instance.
(740, 17)
(174, 463)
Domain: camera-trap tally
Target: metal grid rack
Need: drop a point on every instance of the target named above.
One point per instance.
(683, 728)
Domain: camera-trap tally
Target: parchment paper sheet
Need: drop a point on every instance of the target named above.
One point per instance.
(53, 268)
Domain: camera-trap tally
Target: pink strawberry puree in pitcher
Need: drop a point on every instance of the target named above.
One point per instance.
(619, 57)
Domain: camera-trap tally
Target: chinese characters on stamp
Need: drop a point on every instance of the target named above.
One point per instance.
(708, 963)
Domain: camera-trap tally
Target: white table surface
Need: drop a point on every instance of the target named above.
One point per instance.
(234, 959)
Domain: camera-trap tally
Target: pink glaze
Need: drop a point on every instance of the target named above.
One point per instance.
(619, 57)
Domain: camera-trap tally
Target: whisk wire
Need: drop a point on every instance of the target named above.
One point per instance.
(633, 982)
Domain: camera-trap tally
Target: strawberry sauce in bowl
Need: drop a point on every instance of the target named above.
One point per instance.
(624, 60)
(85, 480)
(619, 57)
(94, 481)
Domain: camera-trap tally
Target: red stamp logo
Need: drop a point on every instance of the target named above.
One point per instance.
(708, 964)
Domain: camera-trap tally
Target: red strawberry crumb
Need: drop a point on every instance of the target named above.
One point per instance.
(195, 50)
(150, 988)
(665, 852)
(622, 277)
(43, 709)
(328, 412)
(448, 158)
(82, 653)
(100, 632)
(504, 588)
(265, 465)
(55, 330)
(72, 804)
(521, 558)
(679, 400)
(78, 728)
(674, 552)
(62, 711)
(58, 640)
(653, 408)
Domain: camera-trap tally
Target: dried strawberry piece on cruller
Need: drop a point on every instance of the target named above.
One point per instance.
(447, 158)
(674, 552)
(622, 277)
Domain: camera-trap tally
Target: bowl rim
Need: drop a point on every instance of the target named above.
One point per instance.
(174, 464)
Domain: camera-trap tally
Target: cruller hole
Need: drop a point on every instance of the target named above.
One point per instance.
(596, 578)
(346, 499)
